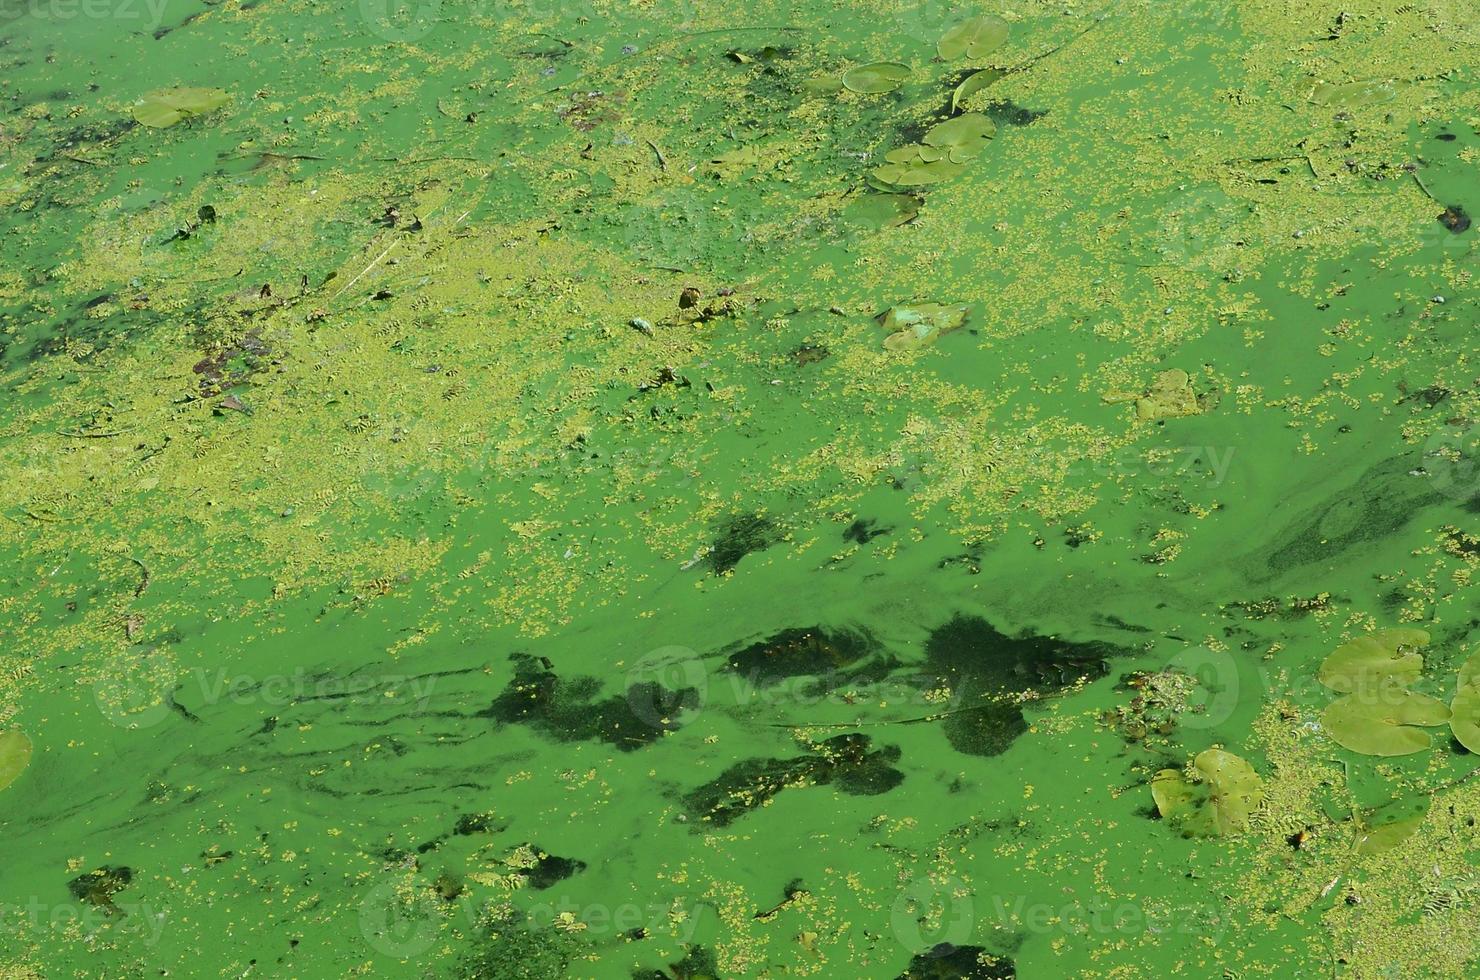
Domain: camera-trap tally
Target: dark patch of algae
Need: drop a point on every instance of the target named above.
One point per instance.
(461, 520)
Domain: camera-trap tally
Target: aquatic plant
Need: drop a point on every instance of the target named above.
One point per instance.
(1215, 801)
(169, 106)
(974, 83)
(963, 137)
(15, 756)
(1464, 710)
(1386, 657)
(975, 38)
(877, 78)
(1385, 827)
(1170, 396)
(1353, 94)
(876, 212)
(915, 326)
(1386, 721)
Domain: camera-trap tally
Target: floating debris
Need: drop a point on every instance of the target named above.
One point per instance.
(911, 327)
(165, 108)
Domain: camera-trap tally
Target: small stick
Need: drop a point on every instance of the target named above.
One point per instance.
(662, 161)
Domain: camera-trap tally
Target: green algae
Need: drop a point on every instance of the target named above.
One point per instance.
(488, 459)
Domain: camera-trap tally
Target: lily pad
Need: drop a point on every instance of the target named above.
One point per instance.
(1354, 94)
(1469, 671)
(877, 78)
(915, 153)
(916, 174)
(975, 38)
(879, 211)
(1381, 658)
(1385, 721)
(973, 84)
(15, 756)
(963, 136)
(168, 106)
(1216, 802)
(1385, 827)
(1464, 717)
(911, 327)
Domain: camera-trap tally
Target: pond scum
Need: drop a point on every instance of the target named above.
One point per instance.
(652, 489)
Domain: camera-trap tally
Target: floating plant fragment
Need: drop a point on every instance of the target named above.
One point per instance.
(1385, 827)
(1170, 396)
(962, 137)
(1216, 802)
(1385, 657)
(877, 78)
(975, 38)
(166, 107)
(1469, 671)
(15, 756)
(876, 212)
(916, 326)
(973, 84)
(1385, 721)
(1354, 94)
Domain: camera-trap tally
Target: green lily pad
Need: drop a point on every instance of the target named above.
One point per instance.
(1385, 827)
(963, 136)
(168, 106)
(1381, 658)
(1388, 720)
(976, 38)
(1216, 802)
(1469, 671)
(1354, 94)
(1464, 717)
(879, 211)
(973, 84)
(911, 327)
(877, 78)
(15, 756)
(915, 153)
(917, 174)
(830, 85)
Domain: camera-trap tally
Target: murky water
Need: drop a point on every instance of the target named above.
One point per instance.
(604, 489)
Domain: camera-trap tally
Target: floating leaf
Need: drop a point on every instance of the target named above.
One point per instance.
(830, 85)
(1382, 721)
(962, 137)
(1469, 671)
(915, 153)
(878, 211)
(168, 106)
(1464, 717)
(973, 84)
(1354, 94)
(1389, 825)
(1381, 658)
(1216, 803)
(976, 38)
(916, 326)
(877, 78)
(916, 174)
(15, 756)
(1170, 396)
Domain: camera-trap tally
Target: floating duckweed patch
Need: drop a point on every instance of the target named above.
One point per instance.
(166, 107)
(1214, 800)
(1352, 95)
(15, 756)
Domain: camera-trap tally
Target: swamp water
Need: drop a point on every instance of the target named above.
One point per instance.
(673, 490)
